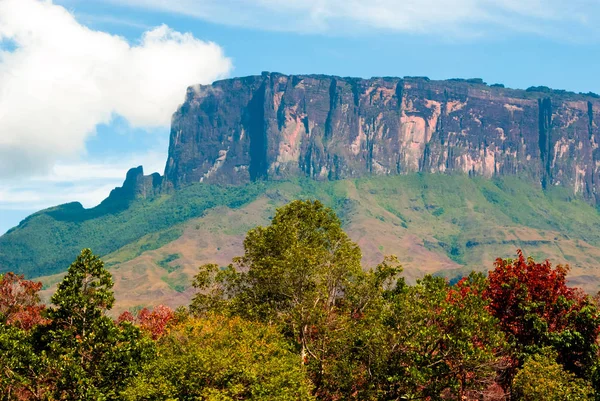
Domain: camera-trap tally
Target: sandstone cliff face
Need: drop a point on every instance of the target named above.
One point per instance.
(275, 126)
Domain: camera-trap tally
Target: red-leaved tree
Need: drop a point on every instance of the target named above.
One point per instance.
(536, 308)
(126, 317)
(20, 301)
(153, 321)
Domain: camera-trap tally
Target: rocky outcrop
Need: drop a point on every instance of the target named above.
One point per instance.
(136, 186)
(275, 126)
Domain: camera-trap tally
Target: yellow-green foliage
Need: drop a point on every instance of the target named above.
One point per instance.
(217, 358)
(543, 379)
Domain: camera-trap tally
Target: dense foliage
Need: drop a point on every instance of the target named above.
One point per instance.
(216, 358)
(75, 352)
(536, 309)
(296, 317)
(543, 379)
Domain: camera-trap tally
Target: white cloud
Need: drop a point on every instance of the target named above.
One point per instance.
(63, 79)
(452, 17)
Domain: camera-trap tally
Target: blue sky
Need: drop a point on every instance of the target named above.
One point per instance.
(87, 86)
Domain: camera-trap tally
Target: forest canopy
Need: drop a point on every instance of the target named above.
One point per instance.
(296, 317)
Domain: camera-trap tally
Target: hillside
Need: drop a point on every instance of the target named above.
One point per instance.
(46, 242)
(442, 224)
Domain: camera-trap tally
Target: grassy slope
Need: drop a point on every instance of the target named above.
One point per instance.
(434, 223)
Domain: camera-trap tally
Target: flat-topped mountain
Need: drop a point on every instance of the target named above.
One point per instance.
(447, 175)
(276, 126)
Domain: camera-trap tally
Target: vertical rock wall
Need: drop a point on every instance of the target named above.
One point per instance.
(275, 126)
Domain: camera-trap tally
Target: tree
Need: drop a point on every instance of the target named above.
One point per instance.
(536, 309)
(20, 302)
(543, 379)
(91, 355)
(294, 273)
(83, 296)
(355, 365)
(153, 322)
(218, 359)
(442, 340)
(23, 370)
(21, 373)
(303, 275)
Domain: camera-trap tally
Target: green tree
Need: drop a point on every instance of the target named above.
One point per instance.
(543, 379)
(294, 273)
(83, 296)
(23, 371)
(303, 275)
(221, 359)
(355, 366)
(92, 356)
(442, 340)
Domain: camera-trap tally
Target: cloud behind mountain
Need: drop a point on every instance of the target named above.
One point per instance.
(59, 80)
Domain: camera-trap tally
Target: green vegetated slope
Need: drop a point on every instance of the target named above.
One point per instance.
(444, 224)
(46, 241)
